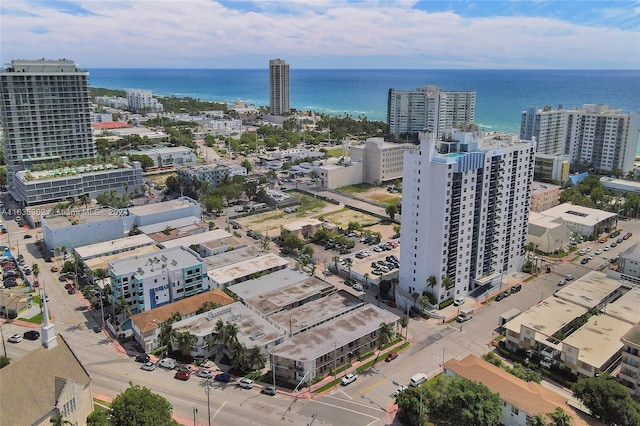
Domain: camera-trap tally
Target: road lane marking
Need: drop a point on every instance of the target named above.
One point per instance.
(373, 386)
(345, 409)
(218, 410)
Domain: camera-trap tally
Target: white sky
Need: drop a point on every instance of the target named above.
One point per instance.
(325, 34)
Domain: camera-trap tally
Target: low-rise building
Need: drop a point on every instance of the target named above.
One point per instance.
(112, 247)
(382, 161)
(621, 185)
(147, 325)
(281, 290)
(253, 330)
(150, 214)
(149, 281)
(241, 271)
(522, 400)
(168, 156)
(332, 176)
(305, 228)
(332, 344)
(551, 168)
(544, 196)
(629, 374)
(547, 233)
(39, 187)
(629, 264)
(584, 221)
(196, 239)
(213, 174)
(592, 291)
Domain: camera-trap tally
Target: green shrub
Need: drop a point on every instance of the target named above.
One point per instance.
(446, 303)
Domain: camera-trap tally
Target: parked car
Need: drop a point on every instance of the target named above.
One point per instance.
(205, 374)
(245, 383)
(399, 390)
(16, 338)
(358, 287)
(31, 335)
(569, 277)
(584, 261)
(349, 378)
(269, 390)
(182, 375)
(143, 358)
(148, 366)
(222, 377)
(391, 356)
(516, 288)
(627, 235)
(561, 283)
(168, 363)
(499, 297)
(459, 301)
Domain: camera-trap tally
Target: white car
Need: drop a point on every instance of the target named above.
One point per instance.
(245, 383)
(148, 366)
(205, 374)
(459, 301)
(358, 287)
(400, 389)
(16, 338)
(597, 252)
(68, 256)
(607, 248)
(349, 378)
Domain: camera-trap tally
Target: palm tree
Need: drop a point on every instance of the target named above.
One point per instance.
(85, 199)
(256, 359)
(184, 340)
(415, 296)
(446, 281)
(404, 322)
(559, 417)
(386, 333)
(538, 420)
(101, 274)
(335, 260)
(231, 334)
(240, 356)
(366, 280)
(36, 270)
(432, 281)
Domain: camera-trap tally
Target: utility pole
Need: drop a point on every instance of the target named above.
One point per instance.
(207, 390)
(335, 349)
(273, 369)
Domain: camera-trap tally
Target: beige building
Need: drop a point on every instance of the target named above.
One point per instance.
(544, 196)
(550, 168)
(546, 233)
(382, 160)
(306, 228)
(585, 221)
(146, 325)
(332, 176)
(522, 400)
(43, 384)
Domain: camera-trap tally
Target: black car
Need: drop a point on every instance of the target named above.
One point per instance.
(143, 358)
(516, 288)
(222, 377)
(584, 261)
(31, 335)
(499, 297)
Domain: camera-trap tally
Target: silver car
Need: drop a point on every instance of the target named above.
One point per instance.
(205, 374)
(148, 366)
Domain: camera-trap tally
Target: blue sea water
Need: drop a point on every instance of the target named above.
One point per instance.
(501, 95)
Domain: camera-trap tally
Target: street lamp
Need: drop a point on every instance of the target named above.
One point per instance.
(207, 390)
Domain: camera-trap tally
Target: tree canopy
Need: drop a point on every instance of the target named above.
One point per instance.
(608, 400)
(138, 406)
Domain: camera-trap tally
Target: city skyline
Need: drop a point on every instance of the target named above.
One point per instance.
(335, 34)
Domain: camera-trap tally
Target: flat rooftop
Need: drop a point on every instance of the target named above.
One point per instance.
(277, 300)
(633, 335)
(274, 281)
(102, 262)
(546, 317)
(589, 291)
(231, 257)
(173, 259)
(81, 216)
(253, 330)
(227, 274)
(339, 332)
(316, 312)
(152, 208)
(179, 227)
(216, 234)
(632, 252)
(539, 187)
(119, 245)
(232, 242)
(598, 340)
(626, 307)
(578, 214)
(299, 224)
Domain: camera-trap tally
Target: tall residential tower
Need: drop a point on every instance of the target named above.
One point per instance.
(45, 113)
(430, 108)
(465, 209)
(279, 87)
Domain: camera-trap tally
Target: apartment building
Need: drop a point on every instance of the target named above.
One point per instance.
(213, 174)
(279, 87)
(155, 279)
(465, 211)
(382, 160)
(544, 196)
(629, 374)
(430, 108)
(597, 135)
(142, 100)
(46, 114)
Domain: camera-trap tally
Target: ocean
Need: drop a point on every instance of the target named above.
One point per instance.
(501, 95)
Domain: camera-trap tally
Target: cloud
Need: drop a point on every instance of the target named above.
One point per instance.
(327, 34)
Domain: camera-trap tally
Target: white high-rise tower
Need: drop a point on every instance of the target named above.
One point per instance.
(465, 210)
(279, 87)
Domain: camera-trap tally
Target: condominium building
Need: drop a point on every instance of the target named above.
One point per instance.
(382, 160)
(430, 108)
(629, 374)
(213, 174)
(46, 114)
(155, 279)
(465, 210)
(279, 87)
(597, 135)
(142, 100)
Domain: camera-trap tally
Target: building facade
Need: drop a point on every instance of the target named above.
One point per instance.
(629, 374)
(428, 107)
(142, 100)
(45, 112)
(382, 160)
(465, 210)
(213, 174)
(149, 281)
(279, 87)
(597, 135)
